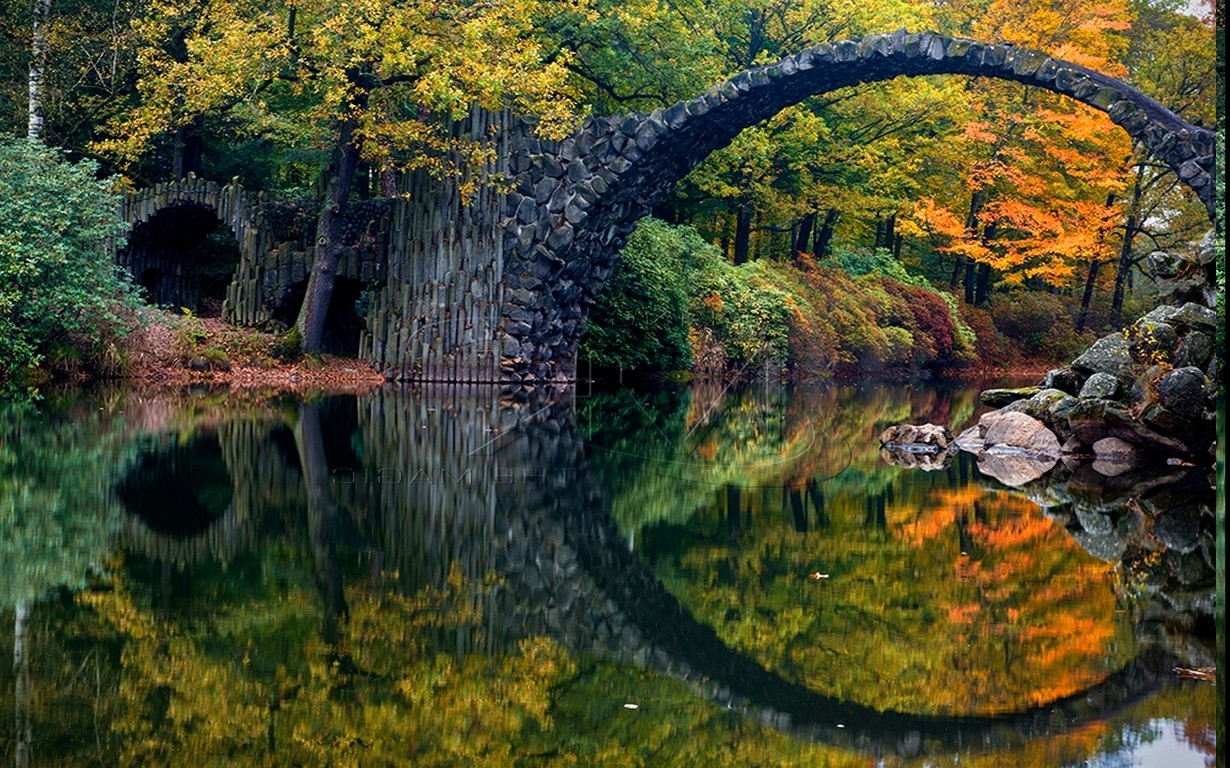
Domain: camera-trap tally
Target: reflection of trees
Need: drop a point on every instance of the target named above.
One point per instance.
(662, 455)
(58, 517)
(417, 661)
(895, 616)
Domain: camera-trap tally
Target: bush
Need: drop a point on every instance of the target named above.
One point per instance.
(641, 319)
(1039, 323)
(59, 286)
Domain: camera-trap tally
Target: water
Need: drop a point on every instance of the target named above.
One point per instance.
(681, 577)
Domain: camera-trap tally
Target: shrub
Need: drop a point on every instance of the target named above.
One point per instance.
(641, 318)
(59, 285)
(1041, 324)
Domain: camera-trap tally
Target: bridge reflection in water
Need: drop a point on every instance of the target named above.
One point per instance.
(617, 525)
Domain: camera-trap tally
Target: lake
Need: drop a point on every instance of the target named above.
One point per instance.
(692, 576)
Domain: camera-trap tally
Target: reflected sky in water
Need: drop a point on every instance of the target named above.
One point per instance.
(444, 578)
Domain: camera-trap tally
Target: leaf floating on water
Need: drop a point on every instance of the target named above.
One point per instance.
(816, 576)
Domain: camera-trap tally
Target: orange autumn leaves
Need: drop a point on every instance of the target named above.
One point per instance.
(1025, 585)
(1042, 175)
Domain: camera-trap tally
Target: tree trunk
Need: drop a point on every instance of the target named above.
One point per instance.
(1123, 265)
(970, 269)
(38, 67)
(322, 519)
(311, 322)
(802, 236)
(1087, 297)
(743, 233)
(976, 201)
(824, 235)
(982, 291)
(24, 736)
(1091, 280)
(188, 146)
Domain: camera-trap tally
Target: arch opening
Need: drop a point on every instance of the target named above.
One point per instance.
(344, 321)
(183, 257)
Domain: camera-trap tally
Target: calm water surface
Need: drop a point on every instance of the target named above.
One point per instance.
(693, 577)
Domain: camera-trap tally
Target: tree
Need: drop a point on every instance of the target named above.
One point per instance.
(38, 66)
(373, 81)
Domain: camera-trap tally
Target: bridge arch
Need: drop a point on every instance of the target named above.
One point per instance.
(168, 221)
(576, 201)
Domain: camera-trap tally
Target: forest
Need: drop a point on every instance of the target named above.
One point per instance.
(920, 224)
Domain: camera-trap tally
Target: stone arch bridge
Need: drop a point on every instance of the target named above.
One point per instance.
(497, 288)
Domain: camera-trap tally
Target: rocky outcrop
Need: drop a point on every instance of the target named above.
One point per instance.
(1137, 398)
(1012, 447)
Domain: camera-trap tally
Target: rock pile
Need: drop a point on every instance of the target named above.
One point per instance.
(1137, 398)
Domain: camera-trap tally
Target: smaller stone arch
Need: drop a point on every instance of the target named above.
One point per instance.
(170, 224)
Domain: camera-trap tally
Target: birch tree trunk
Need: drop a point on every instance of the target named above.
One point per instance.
(24, 735)
(38, 65)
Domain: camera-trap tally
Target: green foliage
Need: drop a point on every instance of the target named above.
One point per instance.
(641, 318)
(58, 283)
(1039, 322)
(865, 261)
(58, 517)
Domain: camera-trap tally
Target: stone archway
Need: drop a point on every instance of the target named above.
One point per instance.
(576, 201)
(172, 229)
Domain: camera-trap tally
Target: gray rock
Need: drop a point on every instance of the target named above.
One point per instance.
(1014, 470)
(1153, 342)
(1178, 528)
(998, 398)
(1017, 432)
(1092, 420)
(1109, 354)
(1188, 317)
(1182, 392)
(1063, 379)
(1101, 385)
(1196, 350)
(918, 438)
(1114, 456)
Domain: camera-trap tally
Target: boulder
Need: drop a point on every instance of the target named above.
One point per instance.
(1101, 385)
(1181, 391)
(927, 461)
(1092, 420)
(1063, 379)
(917, 438)
(1196, 350)
(998, 398)
(1109, 354)
(1019, 432)
(1114, 456)
(1153, 341)
(1012, 470)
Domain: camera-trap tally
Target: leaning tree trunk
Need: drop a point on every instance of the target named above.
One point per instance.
(342, 169)
(38, 67)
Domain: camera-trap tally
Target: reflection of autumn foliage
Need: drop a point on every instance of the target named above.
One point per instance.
(969, 602)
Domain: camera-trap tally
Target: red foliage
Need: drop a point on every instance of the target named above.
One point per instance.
(930, 314)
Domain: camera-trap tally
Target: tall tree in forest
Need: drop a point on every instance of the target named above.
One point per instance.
(368, 80)
(1040, 168)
